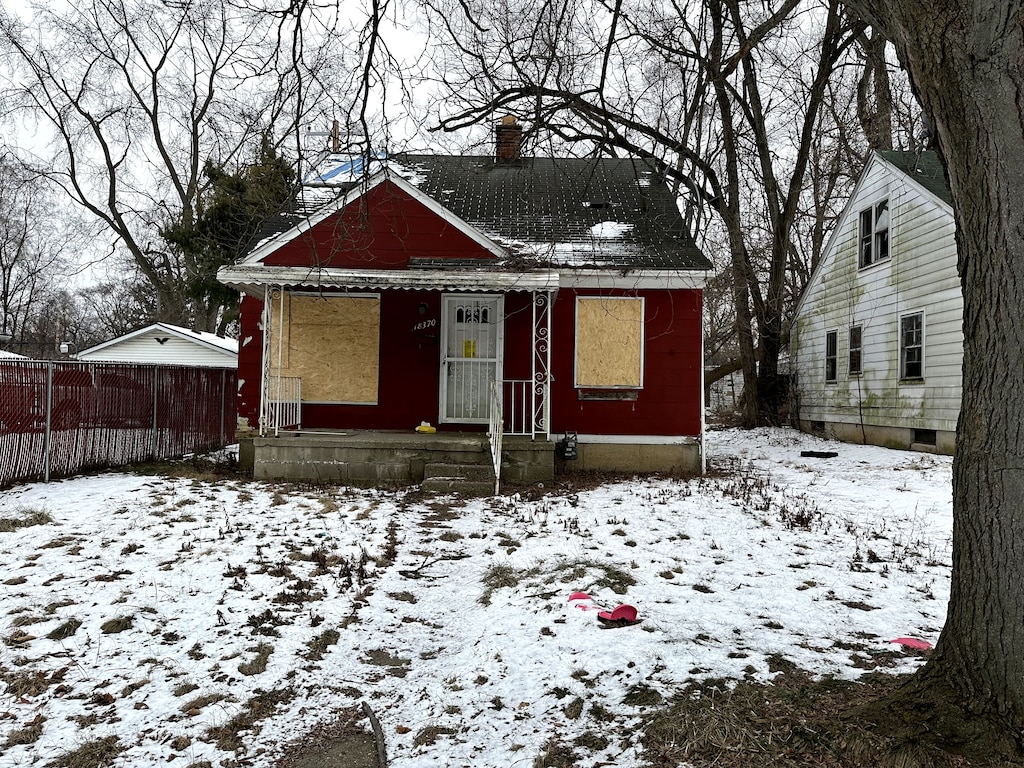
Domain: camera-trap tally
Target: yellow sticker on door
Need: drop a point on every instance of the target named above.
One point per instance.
(469, 348)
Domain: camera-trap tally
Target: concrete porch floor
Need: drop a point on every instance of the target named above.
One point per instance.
(388, 458)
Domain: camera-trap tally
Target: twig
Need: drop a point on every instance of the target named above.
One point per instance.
(378, 736)
(415, 573)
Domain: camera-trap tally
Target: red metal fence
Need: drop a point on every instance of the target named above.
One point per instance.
(59, 418)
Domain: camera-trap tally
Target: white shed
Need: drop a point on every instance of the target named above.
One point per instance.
(877, 343)
(164, 344)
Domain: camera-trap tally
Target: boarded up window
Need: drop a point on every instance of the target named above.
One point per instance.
(332, 343)
(609, 342)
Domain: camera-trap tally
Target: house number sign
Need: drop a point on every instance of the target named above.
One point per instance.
(424, 325)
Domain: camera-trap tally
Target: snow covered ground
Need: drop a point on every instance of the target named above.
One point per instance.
(213, 622)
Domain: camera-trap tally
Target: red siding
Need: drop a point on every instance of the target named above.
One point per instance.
(669, 403)
(380, 230)
(410, 363)
(250, 359)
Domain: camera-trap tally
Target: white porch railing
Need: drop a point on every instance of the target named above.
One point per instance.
(284, 406)
(518, 404)
(496, 431)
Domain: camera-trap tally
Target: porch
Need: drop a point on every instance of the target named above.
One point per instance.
(458, 461)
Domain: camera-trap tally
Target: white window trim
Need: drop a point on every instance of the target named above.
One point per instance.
(834, 379)
(643, 343)
(872, 208)
(924, 347)
(849, 350)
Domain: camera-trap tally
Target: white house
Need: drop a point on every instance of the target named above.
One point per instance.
(877, 342)
(164, 344)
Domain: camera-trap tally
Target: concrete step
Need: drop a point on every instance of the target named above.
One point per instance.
(460, 471)
(458, 485)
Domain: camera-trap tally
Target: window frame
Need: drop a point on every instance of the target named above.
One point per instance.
(592, 387)
(297, 361)
(904, 347)
(832, 359)
(873, 244)
(858, 369)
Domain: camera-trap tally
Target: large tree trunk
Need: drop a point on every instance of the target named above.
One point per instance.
(966, 61)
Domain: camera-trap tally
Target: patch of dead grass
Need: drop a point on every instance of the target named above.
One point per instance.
(229, 735)
(25, 517)
(792, 722)
(92, 754)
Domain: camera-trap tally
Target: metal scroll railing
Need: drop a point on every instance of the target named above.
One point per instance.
(496, 430)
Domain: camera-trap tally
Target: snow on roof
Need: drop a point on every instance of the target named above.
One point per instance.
(610, 229)
(343, 169)
(10, 356)
(228, 346)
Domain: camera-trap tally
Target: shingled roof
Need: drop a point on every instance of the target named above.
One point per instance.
(566, 212)
(923, 167)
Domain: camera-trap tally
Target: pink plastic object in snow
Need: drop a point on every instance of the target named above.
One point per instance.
(912, 642)
(621, 613)
(583, 601)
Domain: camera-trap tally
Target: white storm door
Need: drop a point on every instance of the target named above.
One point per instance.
(471, 356)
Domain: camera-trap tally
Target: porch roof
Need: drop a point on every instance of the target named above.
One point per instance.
(254, 279)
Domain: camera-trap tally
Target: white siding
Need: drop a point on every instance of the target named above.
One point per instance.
(920, 276)
(145, 349)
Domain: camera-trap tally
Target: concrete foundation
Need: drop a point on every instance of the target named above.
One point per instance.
(392, 458)
(626, 457)
(900, 438)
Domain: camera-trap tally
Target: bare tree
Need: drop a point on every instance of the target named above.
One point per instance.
(134, 96)
(966, 61)
(34, 249)
(725, 95)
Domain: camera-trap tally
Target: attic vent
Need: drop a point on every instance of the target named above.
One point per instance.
(597, 202)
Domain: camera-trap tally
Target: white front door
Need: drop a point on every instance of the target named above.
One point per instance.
(471, 356)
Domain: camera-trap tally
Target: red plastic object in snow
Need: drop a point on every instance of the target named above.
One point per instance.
(912, 642)
(622, 616)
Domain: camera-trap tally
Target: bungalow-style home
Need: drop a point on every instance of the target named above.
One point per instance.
(419, 312)
(877, 344)
(165, 344)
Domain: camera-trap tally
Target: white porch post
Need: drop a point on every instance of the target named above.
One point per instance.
(268, 413)
(265, 363)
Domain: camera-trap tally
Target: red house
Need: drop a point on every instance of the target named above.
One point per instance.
(514, 304)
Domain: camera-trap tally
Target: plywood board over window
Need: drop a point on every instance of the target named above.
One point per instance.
(332, 343)
(609, 342)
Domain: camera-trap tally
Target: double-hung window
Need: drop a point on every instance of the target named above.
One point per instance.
(912, 346)
(855, 347)
(874, 234)
(831, 356)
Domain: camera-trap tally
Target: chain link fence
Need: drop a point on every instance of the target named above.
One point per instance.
(58, 418)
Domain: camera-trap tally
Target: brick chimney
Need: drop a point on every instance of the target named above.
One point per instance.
(508, 140)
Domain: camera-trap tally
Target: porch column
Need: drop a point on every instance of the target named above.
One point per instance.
(268, 412)
(542, 301)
